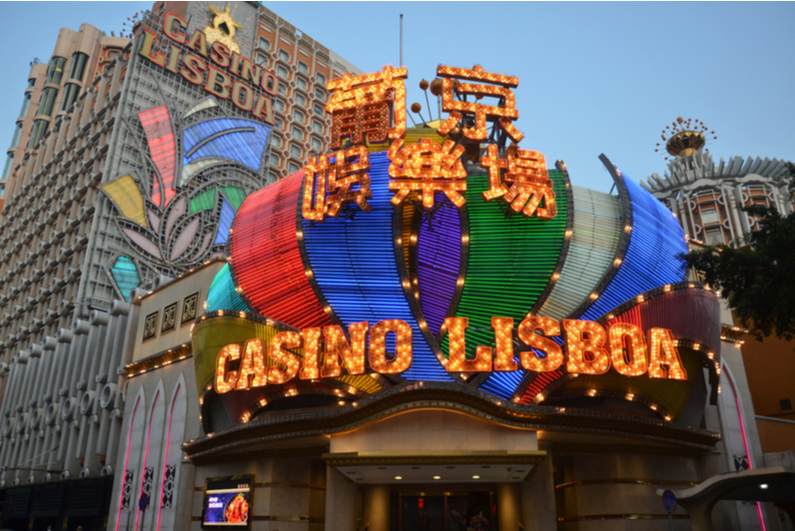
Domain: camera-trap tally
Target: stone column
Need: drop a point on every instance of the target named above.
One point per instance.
(538, 499)
(375, 507)
(340, 502)
(509, 506)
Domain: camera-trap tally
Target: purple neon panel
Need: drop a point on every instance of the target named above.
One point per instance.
(438, 260)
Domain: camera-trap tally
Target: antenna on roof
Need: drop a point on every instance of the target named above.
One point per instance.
(401, 40)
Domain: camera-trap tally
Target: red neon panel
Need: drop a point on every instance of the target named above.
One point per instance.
(162, 148)
(266, 262)
(692, 314)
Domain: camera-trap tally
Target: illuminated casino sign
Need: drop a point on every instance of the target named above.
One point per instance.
(222, 72)
(589, 349)
(447, 253)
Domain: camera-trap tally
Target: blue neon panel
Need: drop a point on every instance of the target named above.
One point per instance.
(355, 265)
(651, 259)
(125, 274)
(244, 147)
(503, 384)
(225, 221)
(222, 294)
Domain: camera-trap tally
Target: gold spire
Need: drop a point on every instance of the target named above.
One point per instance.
(687, 136)
(223, 29)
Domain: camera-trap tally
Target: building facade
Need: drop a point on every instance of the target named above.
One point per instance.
(127, 169)
(79, 58)
(708, 198)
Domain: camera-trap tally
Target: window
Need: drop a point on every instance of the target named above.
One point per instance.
(320, 94)
(295, 151)
(264, 44)
(276, 141)
(320, 111)
(300, 100)
(293, 167)
(785, 403)
(69, 96)
(39, 128)
(714, 237)
(298, 116)
(302, 67)
(262, 59)
(316, 145)
(278, 122)
(78, 66)
(2, 190)
(284, 56)
(301, 82)
(17, 132)
(7, 167)
(297, 133)
(273, 176)
(25, 104)
(282, 72)
(31, 83)
(282, 89)
(47, 102)
(274, 160)
(317, 125)
(709, 216)
(321, 79)
(55, 73)
(278, 104)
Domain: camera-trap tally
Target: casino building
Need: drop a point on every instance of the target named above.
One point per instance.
(390, 328)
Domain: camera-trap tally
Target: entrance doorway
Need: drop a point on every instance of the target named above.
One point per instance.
(443, 511)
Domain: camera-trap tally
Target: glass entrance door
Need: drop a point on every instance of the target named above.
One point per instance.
(443, 511)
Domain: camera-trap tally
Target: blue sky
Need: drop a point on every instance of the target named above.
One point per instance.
(594, 77)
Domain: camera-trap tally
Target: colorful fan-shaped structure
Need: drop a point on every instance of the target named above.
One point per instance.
(604, 258)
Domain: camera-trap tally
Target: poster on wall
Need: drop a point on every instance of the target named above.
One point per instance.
(227, 502)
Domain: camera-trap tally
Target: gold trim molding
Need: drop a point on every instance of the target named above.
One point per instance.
(434, 458)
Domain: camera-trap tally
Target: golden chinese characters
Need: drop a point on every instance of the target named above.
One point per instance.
(427, 167)
(521, 180)
(459, 108)
(361, 105)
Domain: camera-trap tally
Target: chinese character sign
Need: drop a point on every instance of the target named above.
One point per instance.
(328, 185)
(369, 107)
(428, 167)
(372, 108)
(521, 180)
(454, 101)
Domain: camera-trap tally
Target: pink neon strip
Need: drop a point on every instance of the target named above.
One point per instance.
(126, 460)
(745, 442)
(165, 455)
(146, 456)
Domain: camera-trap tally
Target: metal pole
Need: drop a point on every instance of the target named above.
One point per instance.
(671, 520)
(401, 39)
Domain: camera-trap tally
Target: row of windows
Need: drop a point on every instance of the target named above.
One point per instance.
(39, 129)
(263, 60)
(25, 104)
(7, 167)
(78, 68)
(55, 73)
(71, 91)
(17, 132)
(295, 150)
(47, 102)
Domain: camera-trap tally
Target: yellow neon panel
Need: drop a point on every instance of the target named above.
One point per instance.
(125, 193)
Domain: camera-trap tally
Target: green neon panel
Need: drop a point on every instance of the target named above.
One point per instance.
(235, 196)
(511, 260)
(203, 201)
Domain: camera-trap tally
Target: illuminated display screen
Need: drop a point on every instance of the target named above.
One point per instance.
(227, 502)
